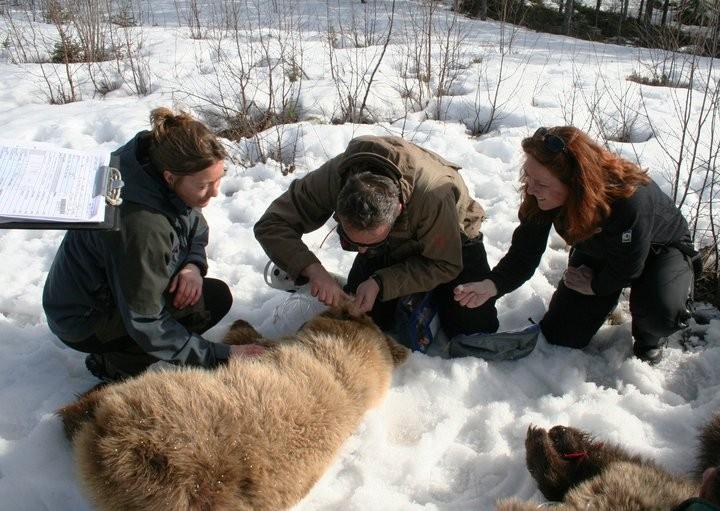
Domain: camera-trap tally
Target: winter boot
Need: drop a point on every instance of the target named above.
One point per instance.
(650, 354)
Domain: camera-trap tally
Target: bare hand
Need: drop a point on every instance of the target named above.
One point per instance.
(323, 286)
(187, 285)
(365, 296)
(579, 279)
(246, 350)
(474, 294)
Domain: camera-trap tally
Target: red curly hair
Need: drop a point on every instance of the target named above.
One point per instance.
(596, 178)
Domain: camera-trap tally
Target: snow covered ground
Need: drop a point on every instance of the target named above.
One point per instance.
(450, 435)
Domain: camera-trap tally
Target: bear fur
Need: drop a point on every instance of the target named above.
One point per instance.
(582, 473)
(255, 434)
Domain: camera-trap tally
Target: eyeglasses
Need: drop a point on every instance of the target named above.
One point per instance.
(348, 244)
(553, 143)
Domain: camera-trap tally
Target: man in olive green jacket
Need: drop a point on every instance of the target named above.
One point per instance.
(408, 214)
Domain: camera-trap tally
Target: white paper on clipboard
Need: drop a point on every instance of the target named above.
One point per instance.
(40, 182)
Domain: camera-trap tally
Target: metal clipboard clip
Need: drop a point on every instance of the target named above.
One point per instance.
(112, 185)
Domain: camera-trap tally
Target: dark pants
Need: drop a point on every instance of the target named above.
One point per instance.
(454, 318)
(658, 303)
(121, 353)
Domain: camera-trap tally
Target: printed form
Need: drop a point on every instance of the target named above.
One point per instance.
(45, 183)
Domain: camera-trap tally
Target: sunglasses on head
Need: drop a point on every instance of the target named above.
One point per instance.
(348, 244)
(553, 143)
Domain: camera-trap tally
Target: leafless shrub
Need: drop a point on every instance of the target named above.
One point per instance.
(279, 145)
(90, 22)
(87, 39)
(105, 86)
(539, 84)
(610, 110)
(124, 15)
(353, 70)
(132, 65)
(450, 60)
(360, 30)
(189, 12)
(568, 97)
(250, 88)
(621, 119)
(494, 91)
(411, 62)
(432, 58)
(27, 44)
(663, 65)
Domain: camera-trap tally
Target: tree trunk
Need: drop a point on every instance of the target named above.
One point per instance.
(567, 21)
(648, 11)
(640, 10)
(623, 15)
(666, 5)
(597, 11)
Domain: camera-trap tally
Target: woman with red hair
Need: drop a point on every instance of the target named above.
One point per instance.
(623, 232)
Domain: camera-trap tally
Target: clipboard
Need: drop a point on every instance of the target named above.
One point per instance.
(109, 185)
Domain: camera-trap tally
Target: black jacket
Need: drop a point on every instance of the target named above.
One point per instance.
(619, 249)
(97, 273)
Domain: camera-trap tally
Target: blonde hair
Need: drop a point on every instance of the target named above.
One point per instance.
(181, 144)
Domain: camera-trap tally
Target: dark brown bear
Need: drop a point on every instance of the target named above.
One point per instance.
(584, 474)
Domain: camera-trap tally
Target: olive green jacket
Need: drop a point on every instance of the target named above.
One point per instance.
(425, 242)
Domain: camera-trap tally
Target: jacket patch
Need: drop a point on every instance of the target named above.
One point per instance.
(627, 236)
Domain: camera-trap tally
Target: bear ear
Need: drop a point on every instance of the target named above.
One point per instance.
(81, 410)
(341, 313)
(241, 332)
(398, 352)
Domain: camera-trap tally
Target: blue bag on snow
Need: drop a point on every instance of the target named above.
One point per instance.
(416, 321)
